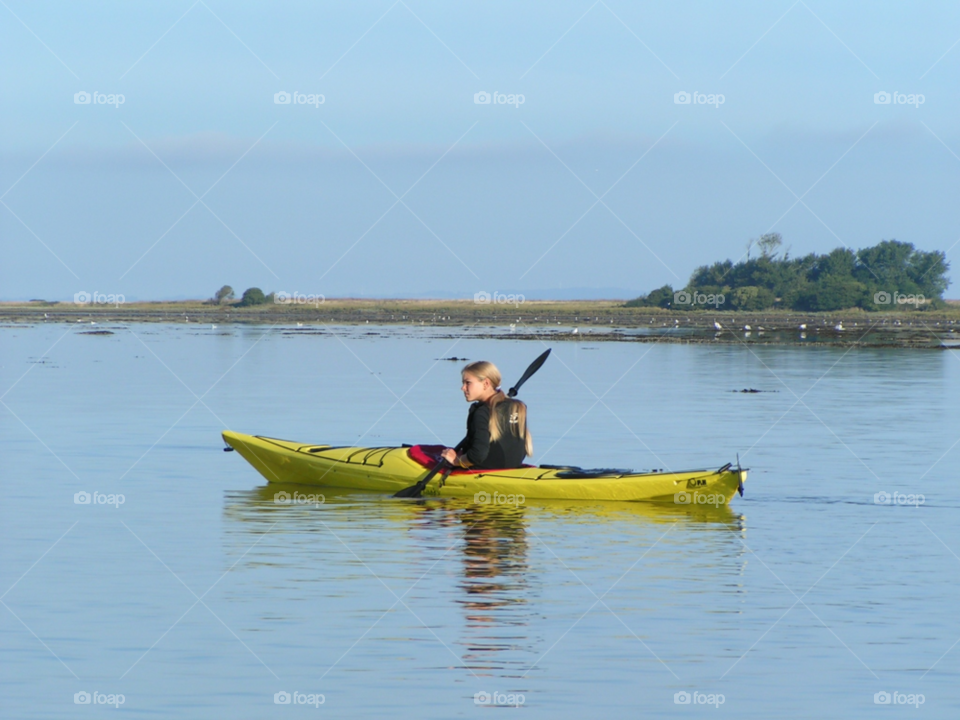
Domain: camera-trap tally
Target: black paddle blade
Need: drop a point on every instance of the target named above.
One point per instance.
(415, 491)
(534, 366)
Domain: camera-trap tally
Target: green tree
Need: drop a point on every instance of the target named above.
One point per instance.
(751, 297)
(833, 292)
(223, 294)
(661, 297)
(252, 296)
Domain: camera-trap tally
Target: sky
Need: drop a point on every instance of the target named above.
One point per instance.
(387, 175)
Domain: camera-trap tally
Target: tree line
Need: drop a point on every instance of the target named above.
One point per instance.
(251, 296)
(889, 275)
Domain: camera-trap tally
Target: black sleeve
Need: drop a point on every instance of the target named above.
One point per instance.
(465, 443)
(478, 433)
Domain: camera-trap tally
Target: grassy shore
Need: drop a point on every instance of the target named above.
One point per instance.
(593, 320)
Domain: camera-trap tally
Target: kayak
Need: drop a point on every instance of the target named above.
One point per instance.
(389, 469)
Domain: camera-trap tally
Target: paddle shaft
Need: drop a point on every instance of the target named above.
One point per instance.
(417, 490)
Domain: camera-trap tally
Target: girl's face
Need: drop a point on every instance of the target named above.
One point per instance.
(475, 389)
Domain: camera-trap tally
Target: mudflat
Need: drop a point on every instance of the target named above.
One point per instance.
(600, 320)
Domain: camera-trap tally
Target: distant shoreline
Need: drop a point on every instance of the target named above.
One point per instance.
(594, 320)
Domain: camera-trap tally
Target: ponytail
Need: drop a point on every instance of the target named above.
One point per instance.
(516, 411)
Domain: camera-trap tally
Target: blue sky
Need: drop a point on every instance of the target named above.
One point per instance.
(300, 197)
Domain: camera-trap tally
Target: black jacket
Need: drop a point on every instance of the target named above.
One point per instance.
(507, 452)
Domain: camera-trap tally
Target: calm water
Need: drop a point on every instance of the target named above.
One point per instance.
(199, 597)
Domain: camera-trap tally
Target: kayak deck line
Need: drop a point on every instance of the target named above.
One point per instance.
(389, 469)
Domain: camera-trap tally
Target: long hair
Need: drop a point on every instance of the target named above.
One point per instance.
(516, 411)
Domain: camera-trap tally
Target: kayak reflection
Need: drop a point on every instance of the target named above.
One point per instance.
(508, 555)
(279, 502)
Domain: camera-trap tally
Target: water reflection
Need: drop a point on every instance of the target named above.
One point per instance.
(496, 590)
(502, 568)
(260, 505)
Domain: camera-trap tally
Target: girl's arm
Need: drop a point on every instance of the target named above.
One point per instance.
(479, 448)
(451, 454)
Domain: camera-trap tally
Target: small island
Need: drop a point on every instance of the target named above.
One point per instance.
(891, 275)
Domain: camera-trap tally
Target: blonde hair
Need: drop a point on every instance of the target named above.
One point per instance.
(483, 370)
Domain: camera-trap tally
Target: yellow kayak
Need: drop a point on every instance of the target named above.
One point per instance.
(389, 469)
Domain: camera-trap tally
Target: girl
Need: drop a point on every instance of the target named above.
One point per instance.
(497, 435)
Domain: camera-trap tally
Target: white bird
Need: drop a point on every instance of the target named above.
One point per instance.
(213, 327)
(803, 336)
(747, 327)
(839, 326)
(717, 326)
(45, 315)
(803, 326)
(299, 324)
(576, 330)
(513, 327)
(92, 322)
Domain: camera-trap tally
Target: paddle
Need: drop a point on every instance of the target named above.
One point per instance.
(534, 366)
(739, 476)
(415, 491)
